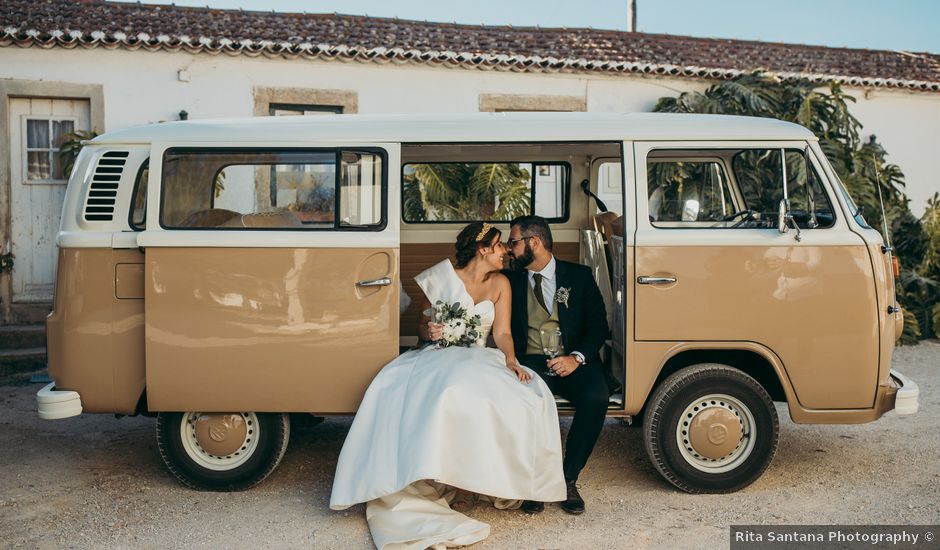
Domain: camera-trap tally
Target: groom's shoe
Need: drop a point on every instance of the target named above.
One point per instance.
(532, 507)
(574, 504)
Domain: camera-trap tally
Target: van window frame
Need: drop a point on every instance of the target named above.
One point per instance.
(338, 156)
(566, 190)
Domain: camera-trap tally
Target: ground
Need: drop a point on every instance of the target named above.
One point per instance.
(98, 481)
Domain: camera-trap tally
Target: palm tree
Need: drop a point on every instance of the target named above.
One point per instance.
(466, 191)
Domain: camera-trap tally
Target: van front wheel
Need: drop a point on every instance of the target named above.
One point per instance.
(711, 429)
(222, 451)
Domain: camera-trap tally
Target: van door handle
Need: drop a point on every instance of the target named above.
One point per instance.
(646, 280)
(384, 281)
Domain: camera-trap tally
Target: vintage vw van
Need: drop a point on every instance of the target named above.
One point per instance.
(223, 274)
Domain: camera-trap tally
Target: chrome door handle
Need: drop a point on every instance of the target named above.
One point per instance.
(645, 280)
(384, 281)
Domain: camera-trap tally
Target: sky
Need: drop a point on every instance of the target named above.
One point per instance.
(908, 25)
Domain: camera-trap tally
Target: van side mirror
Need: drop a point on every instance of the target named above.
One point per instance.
(785, 219)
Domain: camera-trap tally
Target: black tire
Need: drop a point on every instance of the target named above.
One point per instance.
(264, 446)
(675, 401)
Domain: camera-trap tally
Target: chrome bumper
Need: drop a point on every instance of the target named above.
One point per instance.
(906, 401)
(55, 404)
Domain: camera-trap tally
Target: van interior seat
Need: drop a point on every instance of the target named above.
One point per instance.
(273, 220)
(213, 217)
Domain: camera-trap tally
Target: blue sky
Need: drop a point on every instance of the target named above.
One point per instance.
(910, 25)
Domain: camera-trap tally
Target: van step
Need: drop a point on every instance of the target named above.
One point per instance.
(22, 336)
(21, 361)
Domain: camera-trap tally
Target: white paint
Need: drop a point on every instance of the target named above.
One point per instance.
(36, 206)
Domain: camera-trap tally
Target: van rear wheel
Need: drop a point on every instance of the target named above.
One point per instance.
(222, 451)
(711, 429)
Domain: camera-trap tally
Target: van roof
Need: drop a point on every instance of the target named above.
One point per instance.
(472, 127)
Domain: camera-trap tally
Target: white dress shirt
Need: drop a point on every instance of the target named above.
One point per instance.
(549, 283)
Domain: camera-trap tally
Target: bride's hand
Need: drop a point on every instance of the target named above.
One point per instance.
(522, 374)
(435, 330)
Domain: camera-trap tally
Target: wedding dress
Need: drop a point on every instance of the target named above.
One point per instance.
(434, 419)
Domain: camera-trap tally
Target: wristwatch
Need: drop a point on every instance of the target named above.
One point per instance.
(578, 356)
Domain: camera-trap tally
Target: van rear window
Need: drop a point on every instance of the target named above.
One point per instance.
(273, 189)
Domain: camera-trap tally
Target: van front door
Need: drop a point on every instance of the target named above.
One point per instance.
(711, 266)
(271, 276)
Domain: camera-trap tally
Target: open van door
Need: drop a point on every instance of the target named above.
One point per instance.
(271, 275)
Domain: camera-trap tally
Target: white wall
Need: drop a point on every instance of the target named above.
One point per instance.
(142, 87)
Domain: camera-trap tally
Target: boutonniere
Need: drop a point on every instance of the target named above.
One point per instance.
(562, 295)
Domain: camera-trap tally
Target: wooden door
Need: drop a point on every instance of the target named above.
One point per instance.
(38, 188)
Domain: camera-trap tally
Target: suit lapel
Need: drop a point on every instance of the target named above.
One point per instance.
(520, 309)
(562, 279)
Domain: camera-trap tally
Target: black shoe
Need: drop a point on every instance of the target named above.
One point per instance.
(574, 504)
(532, 507)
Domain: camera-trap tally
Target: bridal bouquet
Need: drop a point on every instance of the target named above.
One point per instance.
(460, 328)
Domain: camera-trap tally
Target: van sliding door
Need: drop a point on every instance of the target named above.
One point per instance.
(271, 276)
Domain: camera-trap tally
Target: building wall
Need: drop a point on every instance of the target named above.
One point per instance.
(143, 87)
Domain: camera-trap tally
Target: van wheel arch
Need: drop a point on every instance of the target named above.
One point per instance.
(749, 362)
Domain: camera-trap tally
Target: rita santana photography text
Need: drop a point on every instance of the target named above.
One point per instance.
(849, 536)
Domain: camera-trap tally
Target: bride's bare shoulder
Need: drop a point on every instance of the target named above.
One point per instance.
(499, 284)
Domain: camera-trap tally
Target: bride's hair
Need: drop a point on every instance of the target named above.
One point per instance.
(472, 238)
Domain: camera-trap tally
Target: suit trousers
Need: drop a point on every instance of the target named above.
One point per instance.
(587, 391)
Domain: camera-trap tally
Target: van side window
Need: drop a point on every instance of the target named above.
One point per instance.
(689, 191)
(273, 189)
(138, 219)
(758, 172)
(490, 191)
(693, 191)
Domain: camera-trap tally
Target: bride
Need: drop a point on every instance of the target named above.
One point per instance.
(439, 426)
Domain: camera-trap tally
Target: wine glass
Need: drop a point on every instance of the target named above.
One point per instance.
(437, 317)
(551, 344)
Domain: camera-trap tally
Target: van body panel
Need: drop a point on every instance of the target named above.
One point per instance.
(96, 340)
(267, 329)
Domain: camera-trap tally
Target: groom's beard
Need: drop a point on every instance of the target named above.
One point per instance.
(521, 262)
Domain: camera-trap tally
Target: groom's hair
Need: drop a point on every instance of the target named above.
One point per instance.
(535, 226)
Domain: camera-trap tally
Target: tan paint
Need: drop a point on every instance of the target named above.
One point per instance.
(221, 434)
(812, 306)
(715, 432)
(95, 340)
(267, 329)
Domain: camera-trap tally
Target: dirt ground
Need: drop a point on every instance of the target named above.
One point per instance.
(97, 481)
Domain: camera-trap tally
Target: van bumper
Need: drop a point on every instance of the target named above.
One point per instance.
(55, 404)
(903, 396)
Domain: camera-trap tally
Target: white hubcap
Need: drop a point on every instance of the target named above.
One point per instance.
(714, 403)
(241, 453)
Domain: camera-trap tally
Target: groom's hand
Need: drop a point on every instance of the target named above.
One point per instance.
(563, 365)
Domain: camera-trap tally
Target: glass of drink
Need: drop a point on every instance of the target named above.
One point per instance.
(551, 344)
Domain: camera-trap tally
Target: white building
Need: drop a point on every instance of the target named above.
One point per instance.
(104, 66)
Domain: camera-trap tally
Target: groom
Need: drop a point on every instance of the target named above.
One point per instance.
(551, 292)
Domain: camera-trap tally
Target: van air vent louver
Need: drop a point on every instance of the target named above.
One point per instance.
(99, 206)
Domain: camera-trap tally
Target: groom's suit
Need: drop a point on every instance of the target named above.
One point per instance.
(583, 323)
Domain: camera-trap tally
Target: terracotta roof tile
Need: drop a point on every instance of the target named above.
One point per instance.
(96, 23)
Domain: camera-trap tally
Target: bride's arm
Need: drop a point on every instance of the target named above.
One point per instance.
(502, 334)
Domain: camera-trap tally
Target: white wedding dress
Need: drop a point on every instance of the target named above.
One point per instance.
(434, 419)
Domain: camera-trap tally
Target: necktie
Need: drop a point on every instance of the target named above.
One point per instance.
(538, 291)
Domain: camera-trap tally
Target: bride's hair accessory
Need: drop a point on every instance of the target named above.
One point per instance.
(486, 229)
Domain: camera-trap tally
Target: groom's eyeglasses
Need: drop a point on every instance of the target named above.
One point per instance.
(512, 242)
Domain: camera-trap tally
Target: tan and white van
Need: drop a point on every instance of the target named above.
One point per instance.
(223, 274)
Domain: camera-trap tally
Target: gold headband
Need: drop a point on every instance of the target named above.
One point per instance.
(484, 231)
